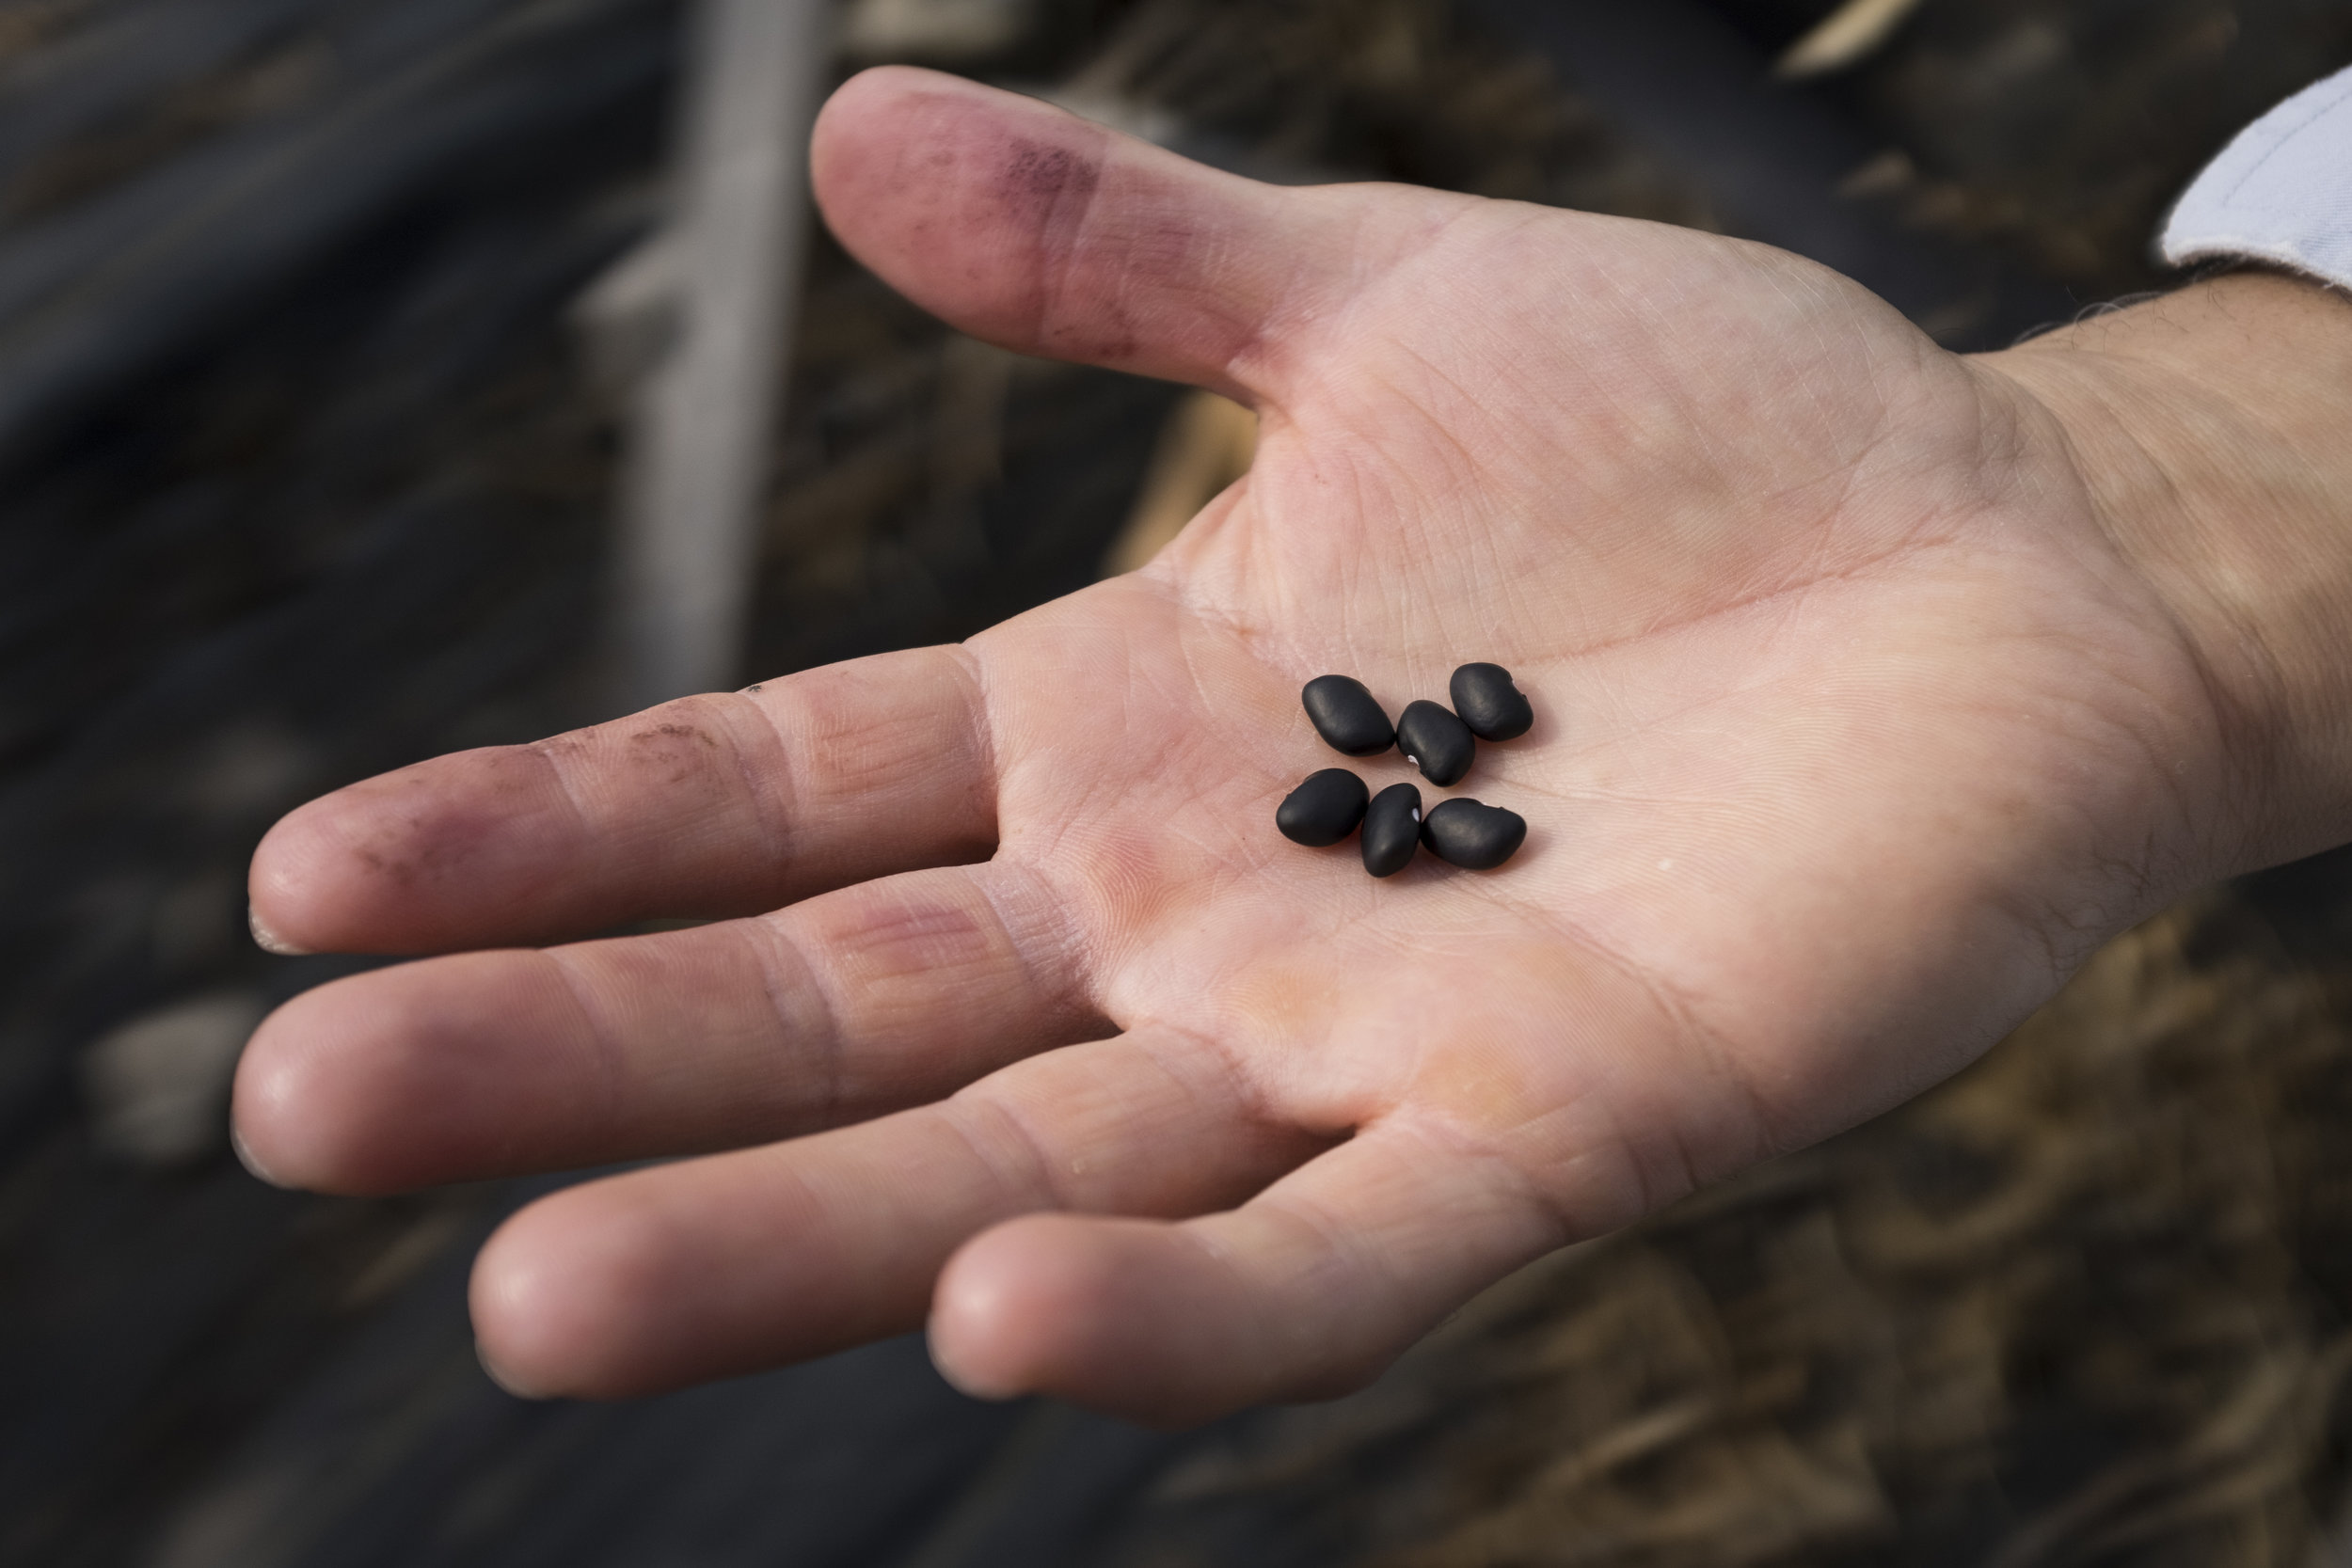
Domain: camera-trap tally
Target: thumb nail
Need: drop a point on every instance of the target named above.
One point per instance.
(269, 940)
(246, 1158)
(505, 1381)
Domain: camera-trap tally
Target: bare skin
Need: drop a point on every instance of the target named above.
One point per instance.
(1876, 687)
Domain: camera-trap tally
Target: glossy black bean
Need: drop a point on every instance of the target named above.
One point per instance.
(1435, 742)
(1474, 836)
(1391, 830)
(1347, 716)
(1488, 702)
(1324, 809)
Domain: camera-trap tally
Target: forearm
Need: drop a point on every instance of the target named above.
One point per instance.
(2213, 429)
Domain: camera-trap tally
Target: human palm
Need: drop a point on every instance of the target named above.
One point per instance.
(1854, 733)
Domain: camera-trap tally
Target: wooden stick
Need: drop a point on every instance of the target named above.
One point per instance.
(1845, 36)
(704, 419)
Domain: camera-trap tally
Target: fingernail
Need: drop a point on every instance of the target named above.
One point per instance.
(244, 1157)
(269, 940)
(966, 1384)
(505, 1381)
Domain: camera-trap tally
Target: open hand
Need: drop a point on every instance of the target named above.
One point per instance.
(1857, 730)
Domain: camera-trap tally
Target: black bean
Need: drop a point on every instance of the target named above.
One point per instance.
(1474, 836)
(1492, 708)
(1324, 809)
(1347, 716)
(1391, 830)
(1435, 742)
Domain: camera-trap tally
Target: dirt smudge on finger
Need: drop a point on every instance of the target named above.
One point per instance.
(1047, 187)
(684, 750)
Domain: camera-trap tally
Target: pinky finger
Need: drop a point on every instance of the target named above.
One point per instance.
(1308, 1291)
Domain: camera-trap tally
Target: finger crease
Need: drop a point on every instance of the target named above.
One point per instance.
(826, 1052)
(1679, 1007)
(604, 1042)
(1454, 1144)
(1042, 1185)
(1047, 924)
(1248, 1099)
(781, 804)
(582, 819)
(772, 793)
(979, 727)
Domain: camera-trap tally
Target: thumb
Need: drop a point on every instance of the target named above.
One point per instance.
(1048, 234)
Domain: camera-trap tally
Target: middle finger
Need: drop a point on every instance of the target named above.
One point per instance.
(842, 1007)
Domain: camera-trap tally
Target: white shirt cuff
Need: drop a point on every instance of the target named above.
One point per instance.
(2281, 192)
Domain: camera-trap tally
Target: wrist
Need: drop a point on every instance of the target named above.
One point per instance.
(2212, 431)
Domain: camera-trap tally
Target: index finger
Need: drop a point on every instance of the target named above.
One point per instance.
(709, 807)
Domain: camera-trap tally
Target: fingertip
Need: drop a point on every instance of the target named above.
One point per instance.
(438, 855)
(1006, 1306)
(1039, 230)
(865, 105)
(268, 940)
(507, 1381)
(527, 1333)
(870, 121)
(315, 1105)
(250, 1160)
(364, 1086)
(1094, 1311)
(282, 882)
(863, 132)
(956, 194)
(274, 1121)
(367, 868)
(568, 1301)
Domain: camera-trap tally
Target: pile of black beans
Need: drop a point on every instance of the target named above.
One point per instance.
(1441, 742)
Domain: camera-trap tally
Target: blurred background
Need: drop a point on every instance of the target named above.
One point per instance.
(347, 356)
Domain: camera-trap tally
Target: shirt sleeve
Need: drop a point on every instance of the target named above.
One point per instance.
(2281, 192)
